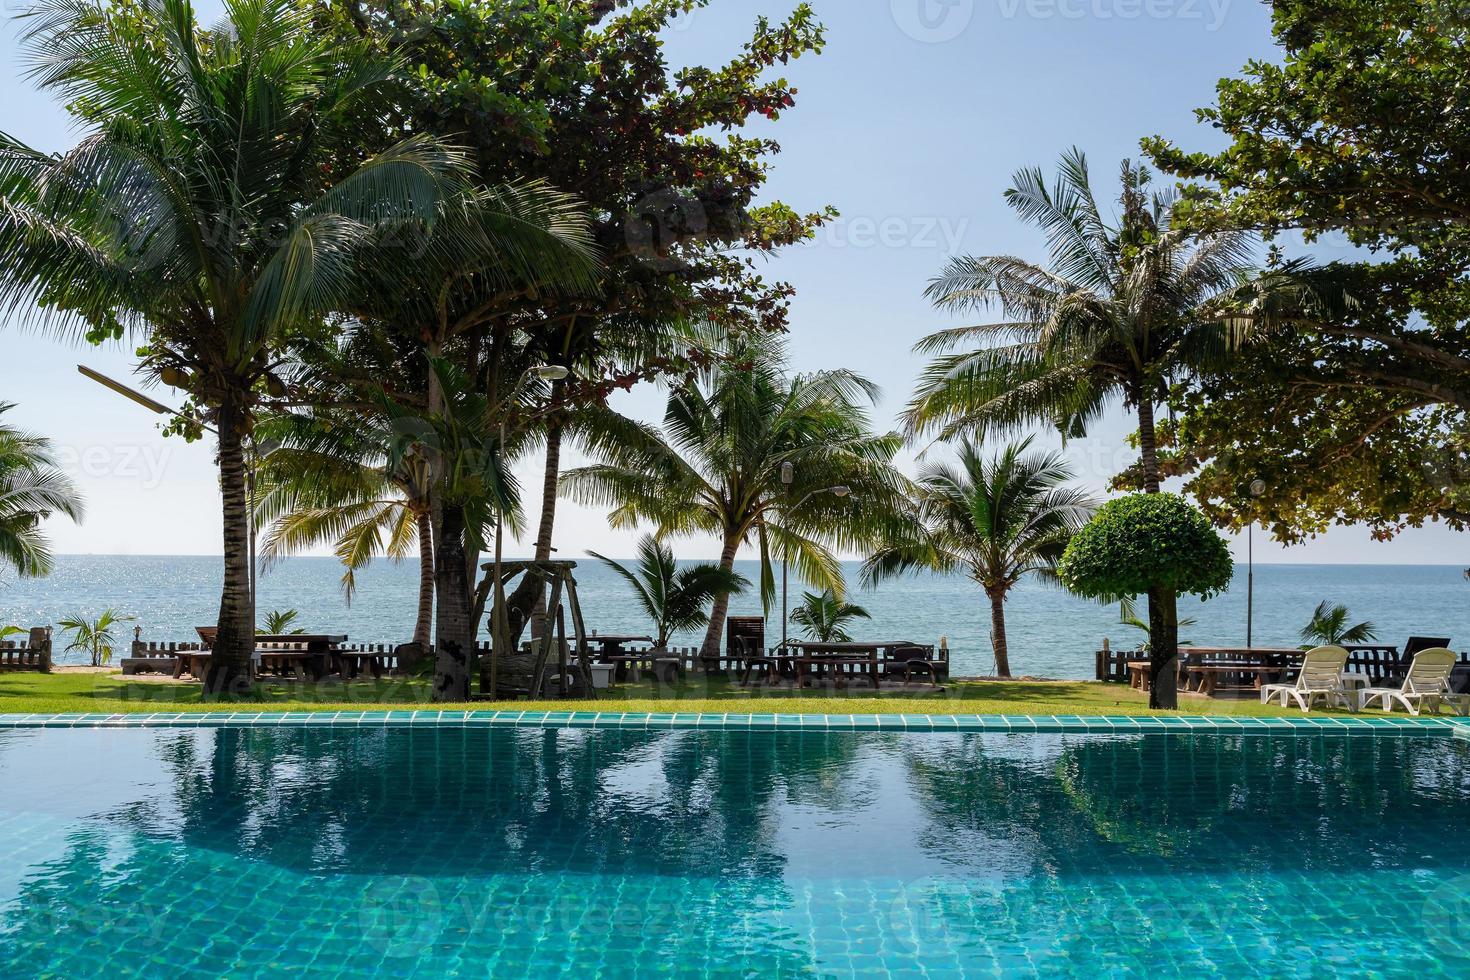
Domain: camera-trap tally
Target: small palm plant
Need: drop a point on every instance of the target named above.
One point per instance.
(675, 599)
(1329, 627)
(278, 623)
(94, 635)
(824, 617)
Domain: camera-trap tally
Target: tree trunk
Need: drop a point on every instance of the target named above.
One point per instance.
(998, 632)
(234, 645)
(1163, 638)
(454, 633)
(1148, 444)
(528, 601)
(721, 607)
(423, 626)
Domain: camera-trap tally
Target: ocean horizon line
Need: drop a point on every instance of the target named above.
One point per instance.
(1465, 563)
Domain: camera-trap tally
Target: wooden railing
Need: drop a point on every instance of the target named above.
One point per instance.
(1382, 664)
(689, 657)
(20, 655)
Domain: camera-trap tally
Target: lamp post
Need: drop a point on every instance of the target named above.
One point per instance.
(788, 476)
(499, 624)
(1257, 490)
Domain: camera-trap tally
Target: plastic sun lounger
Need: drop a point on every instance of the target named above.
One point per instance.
(1428, 682)
(1319, 678)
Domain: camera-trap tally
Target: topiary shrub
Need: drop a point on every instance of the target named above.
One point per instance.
(1154, 544)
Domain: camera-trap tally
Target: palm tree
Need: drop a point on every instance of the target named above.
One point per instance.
(334, 478)
(1123, 308)
(997, 520)
(218, 203)
(823, 617)
(94, 635)
(716, 468)
(31, 489)
(675, 599)
(1329, 627)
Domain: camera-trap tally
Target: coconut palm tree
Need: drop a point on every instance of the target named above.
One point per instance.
(716, 468)
(997, 520)
(675, 599)
(1329, 627)
(1123, 308)
(31, 489)
(216, 203)
(824, 617)
(94, 636)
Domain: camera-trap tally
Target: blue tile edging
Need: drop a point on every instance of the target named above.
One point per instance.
(1015, 724)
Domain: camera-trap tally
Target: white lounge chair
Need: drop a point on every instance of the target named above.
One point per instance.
(1320, 679)
(1428, 682)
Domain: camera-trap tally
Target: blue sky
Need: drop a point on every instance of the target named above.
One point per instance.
(910, 123)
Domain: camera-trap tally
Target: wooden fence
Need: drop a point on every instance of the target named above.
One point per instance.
(689, 657)
(20, 655)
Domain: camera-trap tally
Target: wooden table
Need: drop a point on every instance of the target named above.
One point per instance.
(1206, 677)
(815, 657)
(307, 655)
(612, 652)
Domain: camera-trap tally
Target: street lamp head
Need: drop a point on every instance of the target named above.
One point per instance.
(841, 491)
(788, 473)
(552, 372)
(1258, 488)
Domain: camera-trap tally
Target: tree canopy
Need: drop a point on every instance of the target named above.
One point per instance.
(1143, 542)
(1359, 132)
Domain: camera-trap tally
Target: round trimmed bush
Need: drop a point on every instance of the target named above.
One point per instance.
(1147, 541)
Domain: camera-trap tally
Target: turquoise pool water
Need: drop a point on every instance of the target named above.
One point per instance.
(582, 853)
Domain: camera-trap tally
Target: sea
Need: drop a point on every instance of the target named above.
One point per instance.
(1051, 633)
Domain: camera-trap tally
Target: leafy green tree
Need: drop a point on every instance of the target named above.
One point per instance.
(1123, 308)
(997, 520)
(1329, 627)
(217, 204)
(823, 617)
(95, 636)
(676, 599)
(1153, 543)
(31, 489)
(579, 95)
(716, 467)
(1354, 132)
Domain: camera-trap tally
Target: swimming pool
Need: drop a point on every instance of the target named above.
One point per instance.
(580, 853)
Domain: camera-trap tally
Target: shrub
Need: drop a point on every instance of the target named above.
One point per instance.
(1147, 541)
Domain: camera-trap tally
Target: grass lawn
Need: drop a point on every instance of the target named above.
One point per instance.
(29, 693)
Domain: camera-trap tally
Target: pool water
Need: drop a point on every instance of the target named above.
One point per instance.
(577, 853)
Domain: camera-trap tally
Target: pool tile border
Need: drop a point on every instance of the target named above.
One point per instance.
(1016, 724)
